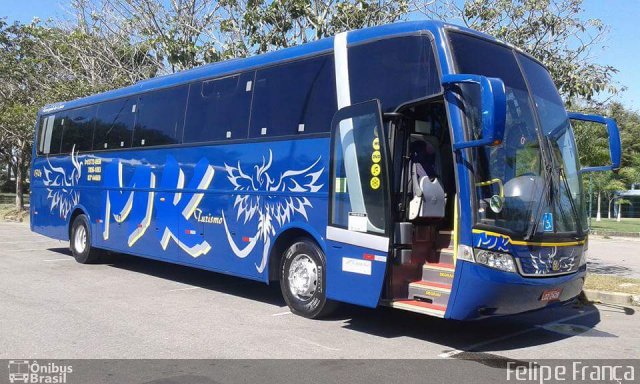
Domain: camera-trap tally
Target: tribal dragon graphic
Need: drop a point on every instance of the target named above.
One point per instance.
(61, 186)
(551, 263)
(279, 208)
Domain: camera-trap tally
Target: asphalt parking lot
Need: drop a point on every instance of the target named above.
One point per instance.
(128, 307)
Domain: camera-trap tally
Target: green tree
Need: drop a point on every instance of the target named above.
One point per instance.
(41, 63)
(277, 24)
(553, 31)
(188, 33)
(18, 67)
(593, 148)
(16, 135)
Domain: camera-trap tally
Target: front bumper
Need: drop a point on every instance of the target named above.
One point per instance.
(483, 291)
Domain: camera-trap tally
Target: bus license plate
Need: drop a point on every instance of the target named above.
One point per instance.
(551, 294)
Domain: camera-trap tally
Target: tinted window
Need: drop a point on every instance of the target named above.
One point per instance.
(114, 124)
(475, 55)
(59, 121)
(516, 162)
(78, 130)
(293, 98)
(160, 117)
(393, 70)
(44, 134)
(219, 109)
(359, 180)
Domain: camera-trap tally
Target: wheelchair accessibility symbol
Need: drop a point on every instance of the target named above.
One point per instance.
(547, 222)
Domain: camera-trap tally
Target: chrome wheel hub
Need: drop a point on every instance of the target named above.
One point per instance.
(303, 277)
(80, 239)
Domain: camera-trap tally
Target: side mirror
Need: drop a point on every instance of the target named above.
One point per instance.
(493, 103)
(615, 145)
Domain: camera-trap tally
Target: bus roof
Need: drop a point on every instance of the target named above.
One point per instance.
(238, 65)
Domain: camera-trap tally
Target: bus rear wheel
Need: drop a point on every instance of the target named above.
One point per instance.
(302, 280)
(80, 241)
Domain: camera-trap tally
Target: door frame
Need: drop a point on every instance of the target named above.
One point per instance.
(380, 242)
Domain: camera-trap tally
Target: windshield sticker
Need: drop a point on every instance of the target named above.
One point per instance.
(362, 267)
(547, 222)
(357, 222)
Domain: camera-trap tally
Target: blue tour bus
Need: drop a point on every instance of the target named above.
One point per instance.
(417, 165)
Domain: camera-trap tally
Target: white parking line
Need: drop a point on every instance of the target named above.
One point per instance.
(29, 241)
(182, 289)
(282, 313)
(24, 250)
(473, 347)
(316, 344)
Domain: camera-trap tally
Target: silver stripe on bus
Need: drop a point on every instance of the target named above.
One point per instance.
(342, 70)
(146, 221)
(361, 239)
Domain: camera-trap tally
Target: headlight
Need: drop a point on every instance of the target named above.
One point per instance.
(585, 252)
(497, 260)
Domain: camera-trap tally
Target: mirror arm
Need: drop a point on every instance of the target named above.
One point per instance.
(601, 168)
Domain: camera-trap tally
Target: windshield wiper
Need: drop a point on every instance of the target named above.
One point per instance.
(574, 209)
(552, 193)
(534, 219)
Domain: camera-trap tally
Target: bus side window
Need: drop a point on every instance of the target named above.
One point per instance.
(114, 124)
(53, 137)
(160, 117)
(293, 98)
(44, 134)
(393, 70)
(78, 130)
(219, 109)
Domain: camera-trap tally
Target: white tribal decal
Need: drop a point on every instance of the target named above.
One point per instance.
(61, 187)
(279, 207)
(550, 263)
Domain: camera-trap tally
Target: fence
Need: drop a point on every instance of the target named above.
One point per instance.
(10, 198)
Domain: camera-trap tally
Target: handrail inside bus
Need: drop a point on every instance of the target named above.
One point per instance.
(491, 182)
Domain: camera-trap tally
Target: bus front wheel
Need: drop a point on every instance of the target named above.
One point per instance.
(80, 241)
(302, 280)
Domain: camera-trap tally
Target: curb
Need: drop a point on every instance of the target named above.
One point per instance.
(614, 233)
(611, 297)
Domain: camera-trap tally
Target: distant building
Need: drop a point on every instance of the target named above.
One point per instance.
(633, 196)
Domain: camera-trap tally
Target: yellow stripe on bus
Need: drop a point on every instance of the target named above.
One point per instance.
(541, 244)
(455, 230)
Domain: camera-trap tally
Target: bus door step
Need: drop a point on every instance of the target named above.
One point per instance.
(434, 293)
(418, 306)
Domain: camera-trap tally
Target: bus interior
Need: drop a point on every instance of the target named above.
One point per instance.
(425, 188)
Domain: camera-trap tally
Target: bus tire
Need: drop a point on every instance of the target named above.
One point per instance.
(80, 241)
(303, 280)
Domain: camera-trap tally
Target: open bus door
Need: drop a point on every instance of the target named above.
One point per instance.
(359, 207)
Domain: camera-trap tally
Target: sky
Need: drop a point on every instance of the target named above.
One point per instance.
(621, 48)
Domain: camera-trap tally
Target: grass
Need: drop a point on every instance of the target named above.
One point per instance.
(625, 225)
(8, 212)
(612, 283)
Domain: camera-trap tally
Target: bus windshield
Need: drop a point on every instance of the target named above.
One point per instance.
(530, 183)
